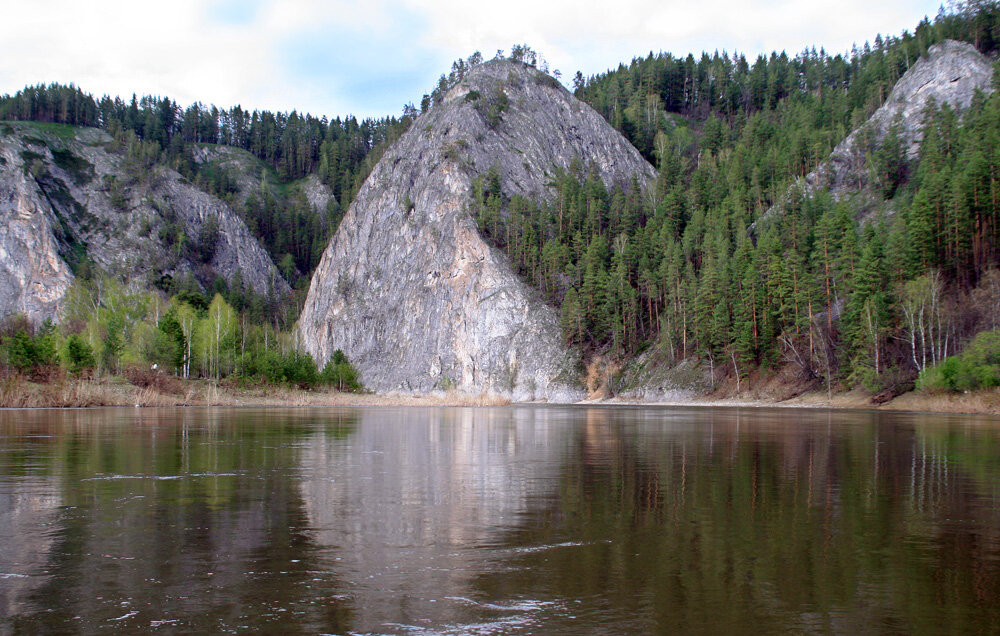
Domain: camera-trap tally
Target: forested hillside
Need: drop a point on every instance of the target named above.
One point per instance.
(844, 290)
(275, 170)
(289, 147)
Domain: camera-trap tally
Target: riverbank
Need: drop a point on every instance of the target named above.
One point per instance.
(19, 392)
(984, 402)
(65, 392)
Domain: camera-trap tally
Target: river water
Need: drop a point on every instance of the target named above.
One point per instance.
(540, 520)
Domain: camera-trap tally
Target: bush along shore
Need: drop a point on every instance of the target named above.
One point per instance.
(42, 369)
(116, 346)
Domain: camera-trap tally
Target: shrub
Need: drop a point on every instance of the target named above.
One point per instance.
(274, 367)
(79, 355)
(145, 378)
(977, 367)
(46, 351)
(491, 108)
(20, 351)
(545, 79)
(27, 353)
(340, 373)
(202, 249)
(80, 170)
(300, 369)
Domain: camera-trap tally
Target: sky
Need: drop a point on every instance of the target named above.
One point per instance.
(339, 57)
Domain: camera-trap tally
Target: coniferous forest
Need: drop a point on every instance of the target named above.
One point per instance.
(723, 258)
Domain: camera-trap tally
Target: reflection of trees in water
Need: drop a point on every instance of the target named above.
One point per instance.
(186, 515)
(654, 519)
(726, 519)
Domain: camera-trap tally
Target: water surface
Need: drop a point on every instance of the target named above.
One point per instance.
(498, 521)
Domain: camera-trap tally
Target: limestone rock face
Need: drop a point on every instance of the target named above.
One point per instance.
(951, 73)
(407, 287)
(66, 195)
(33, 277)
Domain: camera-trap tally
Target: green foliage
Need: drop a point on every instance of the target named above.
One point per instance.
(106, 326)
(293, 144)
(275, 367)
(20, 351)
(673, 266)
(79, 355)
(340, 373)
(170, 347)
(153, 131)
(79, 169)
(289, 226)
(46, 345)
(492, 106)
(203, 248)
(113, 342)
(28, 352)
(117, 194)
(214, 339)
(977, 367)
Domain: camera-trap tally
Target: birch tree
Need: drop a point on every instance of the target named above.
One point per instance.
(925, 326)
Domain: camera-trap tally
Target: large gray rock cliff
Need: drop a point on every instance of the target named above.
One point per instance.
(65, 197)
(950, 73)
(410, 291)
(33, 277)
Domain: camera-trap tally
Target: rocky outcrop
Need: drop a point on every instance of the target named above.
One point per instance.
(407, 287)
(317, 193)
(950, 73)
(67, 196)
(248, 175)
(33, 277)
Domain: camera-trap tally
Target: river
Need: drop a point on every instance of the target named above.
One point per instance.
(524, 519)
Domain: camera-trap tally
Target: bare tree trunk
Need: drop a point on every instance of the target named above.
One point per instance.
(736, 369)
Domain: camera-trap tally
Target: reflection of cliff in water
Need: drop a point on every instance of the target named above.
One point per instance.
(183, 518)
(32, 505)
(718, 519)
(409, 502)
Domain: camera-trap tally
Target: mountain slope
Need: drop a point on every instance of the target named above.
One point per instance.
(950, 73)
(409, 290)
(69, 197)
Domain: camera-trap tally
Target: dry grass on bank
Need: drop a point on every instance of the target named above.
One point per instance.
(784, 387)
(142, 388)
(19, 392)
(159, 390)
(981, 402)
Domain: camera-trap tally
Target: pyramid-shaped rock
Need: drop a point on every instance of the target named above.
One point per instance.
(408, 288)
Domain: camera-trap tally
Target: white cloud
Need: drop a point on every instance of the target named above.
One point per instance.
(335, 57)
(129, 47)
(593, 35)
